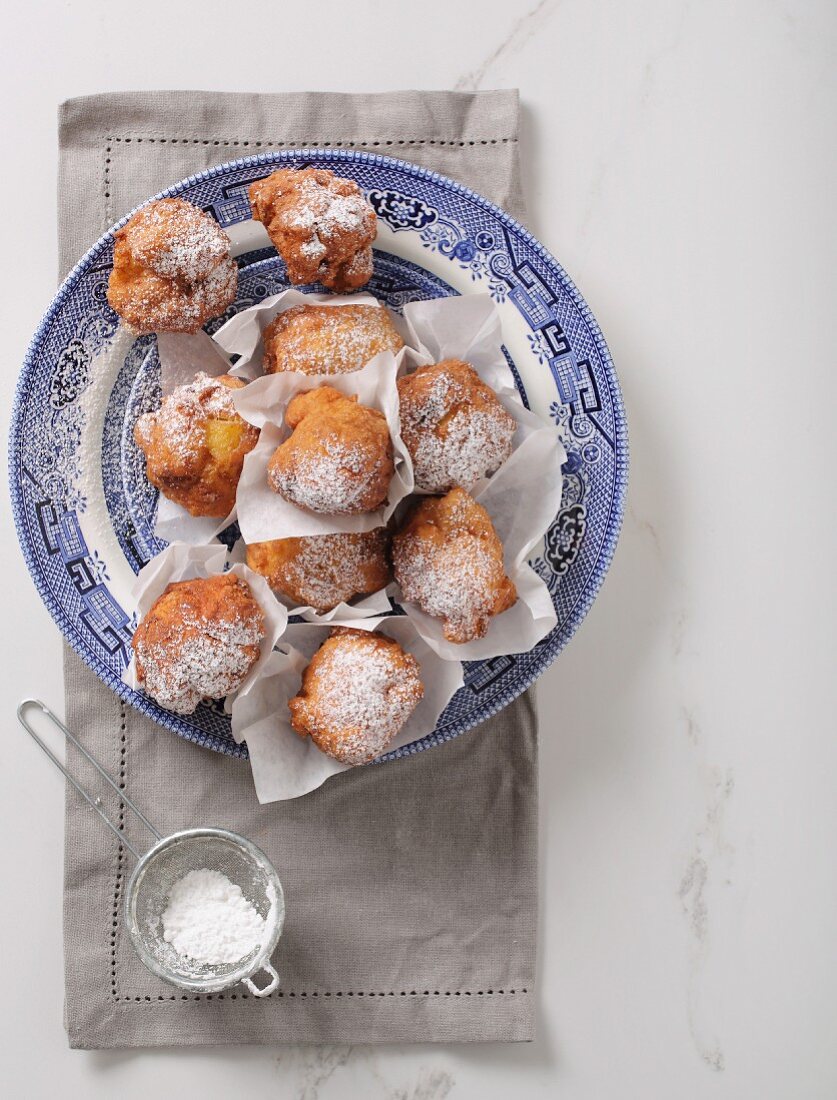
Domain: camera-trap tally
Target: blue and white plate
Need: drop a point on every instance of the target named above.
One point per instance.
(84, 510)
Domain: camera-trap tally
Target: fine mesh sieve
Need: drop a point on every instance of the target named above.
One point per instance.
(150, 887)
(165, 863)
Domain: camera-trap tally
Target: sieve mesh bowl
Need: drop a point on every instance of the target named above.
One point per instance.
(148, 892)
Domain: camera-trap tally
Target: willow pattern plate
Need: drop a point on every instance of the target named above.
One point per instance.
(85, 512)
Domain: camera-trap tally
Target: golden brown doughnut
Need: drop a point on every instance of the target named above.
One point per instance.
(172, 269)
(322, 571)
(328, 339)
(198, 641)
(321, 225)
(357, 692)
(453, 425)
(195, 445)
(448, 560)
(338, 459)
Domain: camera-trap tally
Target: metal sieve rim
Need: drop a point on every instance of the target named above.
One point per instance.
(202, 985)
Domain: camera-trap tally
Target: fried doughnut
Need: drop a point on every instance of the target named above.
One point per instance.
(195, 445)
(321, 225)
(198, 641)
(324, 570)
(453, 425)
(172, 269)
(338, 459)
(328, 339)
(357, 692)
(449, 561)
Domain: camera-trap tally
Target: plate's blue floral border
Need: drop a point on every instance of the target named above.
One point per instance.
(499, 256)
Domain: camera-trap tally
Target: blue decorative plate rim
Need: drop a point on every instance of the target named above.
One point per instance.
(553, 645)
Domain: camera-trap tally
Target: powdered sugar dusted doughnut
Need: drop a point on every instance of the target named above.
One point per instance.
(453, 425)
(198, 641)
(357, 692)
(172, 269)
(448, 560)
(328, 339)
(195, 445)
(338, 459)
(324, 570)
(321, 225)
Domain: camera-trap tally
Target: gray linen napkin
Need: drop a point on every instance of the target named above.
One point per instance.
(411, 887)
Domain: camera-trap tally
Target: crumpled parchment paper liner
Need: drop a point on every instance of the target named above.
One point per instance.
(463, 327)
(376, 603)
(182, 562)
(286, 765)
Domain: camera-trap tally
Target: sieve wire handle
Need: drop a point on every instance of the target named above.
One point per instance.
(56, 721)
(266, 990)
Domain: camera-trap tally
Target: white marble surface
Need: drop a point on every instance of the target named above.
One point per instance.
(680, 161)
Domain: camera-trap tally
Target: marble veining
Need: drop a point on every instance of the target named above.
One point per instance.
(708, 866)
(313, 1069)
(521, 32)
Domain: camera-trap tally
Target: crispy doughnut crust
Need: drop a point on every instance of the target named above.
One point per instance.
(198, 640)
(320, 224)
(453, 425)
(322, 571)
(338, 459)
(357, 692)
(172, 269)
(319, 339)
(195, 445)
(448, 560)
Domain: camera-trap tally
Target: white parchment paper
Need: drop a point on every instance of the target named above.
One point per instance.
(183, 355)
(182, 562)
(286, 765)
(263, 514)
(376, 603)
(463, 327)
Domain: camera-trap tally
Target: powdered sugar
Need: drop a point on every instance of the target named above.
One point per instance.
(177, 240)
(187, 651)
(324, 570)
(208, 919)
(358, 270)
(456, 433)
(318, 223)
(365, 691)
(334, 480)
(317, 339)
(198, 663)
(325, 212)
(184, 412)
(334, 568)
(314, 248)
(454, 586)
(150, 303)
(475, 444)
(454, 572)
(172, 269)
